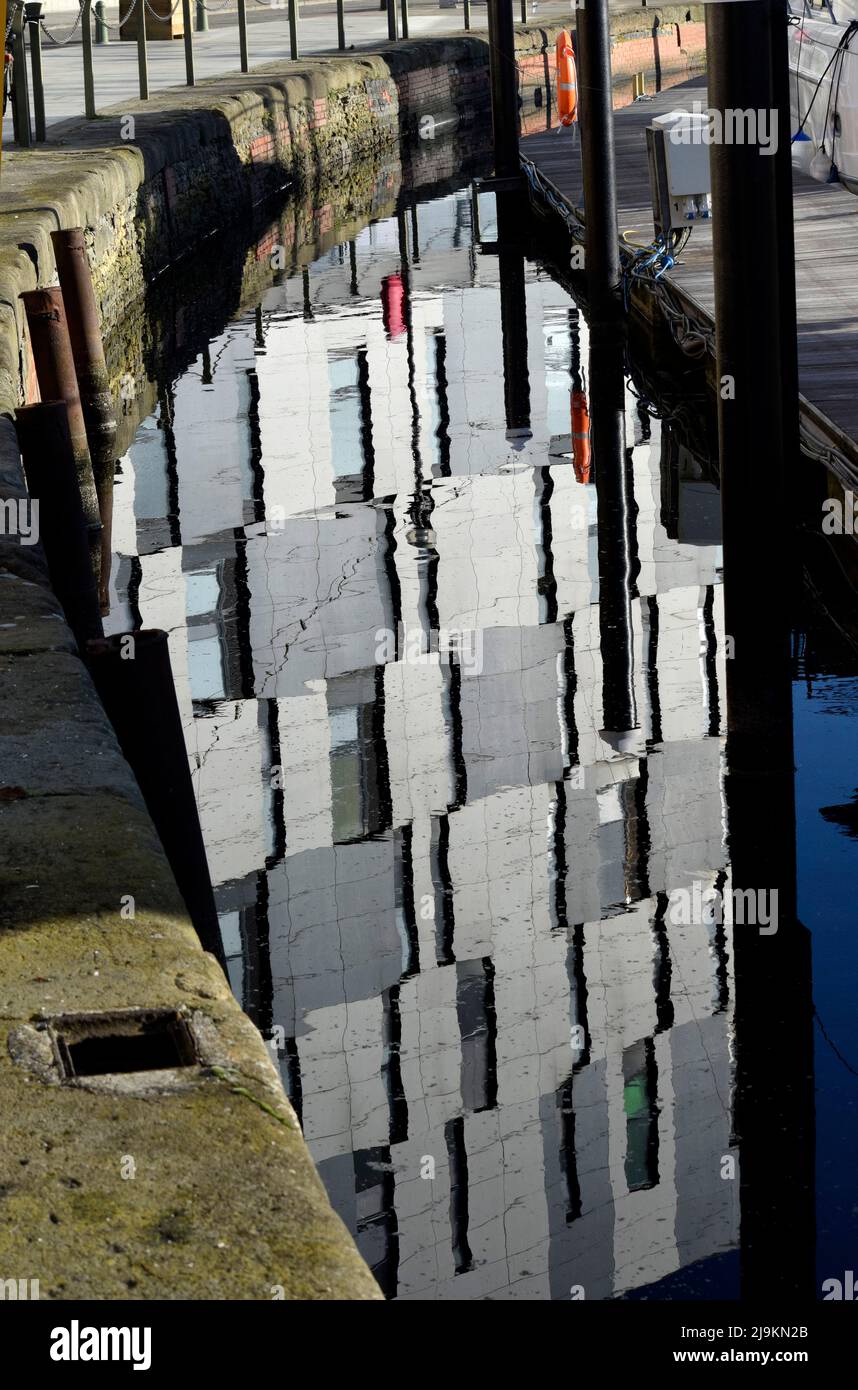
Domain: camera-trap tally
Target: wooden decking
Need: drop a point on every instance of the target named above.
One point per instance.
(826, 233)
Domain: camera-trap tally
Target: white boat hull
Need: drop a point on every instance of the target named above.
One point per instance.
(833, 134)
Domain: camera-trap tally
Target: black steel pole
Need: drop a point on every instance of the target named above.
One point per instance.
(758, 447)
(602, 249)
(513, 307)
(756, 369)
(616, 516)
(503, 76)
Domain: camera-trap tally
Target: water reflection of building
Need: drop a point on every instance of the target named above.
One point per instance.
(444, 885)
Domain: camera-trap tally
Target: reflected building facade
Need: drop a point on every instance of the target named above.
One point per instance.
(443, 891)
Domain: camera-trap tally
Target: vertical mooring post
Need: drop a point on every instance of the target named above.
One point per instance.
(392, 33)
(602, 250)
(102, 34)
(293, 30)
(189, 42)
(86, 50)
(51, 473)
(341, 25)
(503, 76)
(616, 540)
(33, 16)
(756, 377)
(92, 378)
(142, 60)
(134, 678)
(52, 354)
(403, 7)
(513, 308)
(242, 35)
(202, 22)
(20, 87)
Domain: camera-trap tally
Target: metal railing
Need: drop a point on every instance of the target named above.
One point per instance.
(27, 27)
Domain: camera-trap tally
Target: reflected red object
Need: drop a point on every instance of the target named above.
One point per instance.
(393, 305)
(580, 437)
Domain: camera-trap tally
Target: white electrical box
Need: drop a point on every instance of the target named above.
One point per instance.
(679, 170)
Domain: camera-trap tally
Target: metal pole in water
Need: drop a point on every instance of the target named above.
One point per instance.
(503, 76)
(293, 29)
(341, 25)
(467, 13)
(756, 377)
(242, 34)
(33, 15)
(513, 307)
(602, 251)
(142, 61)
(88, 72)
(134, 678)
(524, 11)
(392, 32)
(51, 472)
(403, 6)
(189, 42)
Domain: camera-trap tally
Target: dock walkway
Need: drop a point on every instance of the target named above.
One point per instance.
(826, 234)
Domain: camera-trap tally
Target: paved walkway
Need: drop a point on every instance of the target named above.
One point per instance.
(217, 52)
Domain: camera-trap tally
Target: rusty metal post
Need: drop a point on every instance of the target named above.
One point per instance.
(92, 378)
(51, 472)
(134, 678)
(52, 353)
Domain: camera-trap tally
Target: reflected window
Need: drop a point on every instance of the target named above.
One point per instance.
(640, 1086)
(359, 778)
(352, 454)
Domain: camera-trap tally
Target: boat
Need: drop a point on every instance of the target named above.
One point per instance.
(823, 62)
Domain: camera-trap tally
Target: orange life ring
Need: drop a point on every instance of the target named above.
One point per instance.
(567, 80)
(580, 437)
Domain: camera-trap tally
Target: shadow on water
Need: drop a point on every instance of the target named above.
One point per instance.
(442, 576)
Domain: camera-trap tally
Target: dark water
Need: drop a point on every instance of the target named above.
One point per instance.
(452, 802)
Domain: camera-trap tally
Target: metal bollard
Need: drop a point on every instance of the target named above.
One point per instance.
(392, 28)
(88, 74)
(142, 60)
(293, 29)
(52, 355)
(524, 11)
(242, 34)
(341, 26)
(189, 42)
(403, 6)
(467, 9)
(202, 17)
(20, 87)
(33, 15)
(101, 32)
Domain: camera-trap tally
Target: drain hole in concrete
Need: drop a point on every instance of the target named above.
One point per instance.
(103, 1045)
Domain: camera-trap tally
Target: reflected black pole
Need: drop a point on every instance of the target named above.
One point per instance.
(513, 308)
(758, 446)
(602, 249)
(616, 520)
